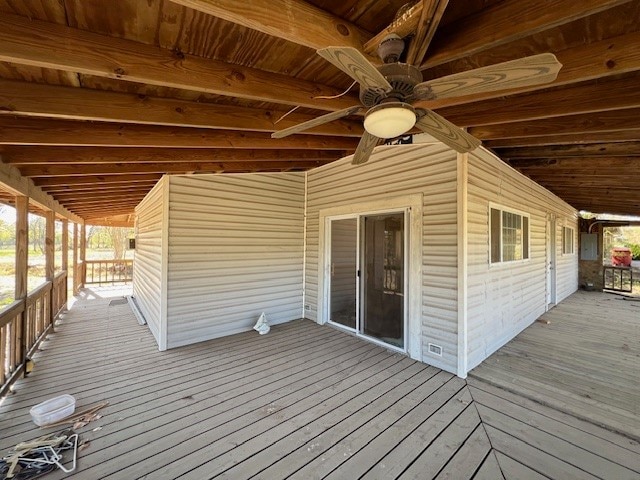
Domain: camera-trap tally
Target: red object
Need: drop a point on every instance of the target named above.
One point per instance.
(621, 257)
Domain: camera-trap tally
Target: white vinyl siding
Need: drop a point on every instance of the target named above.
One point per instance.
(394, 172)
(566, 265)
(235, 250)
(504, 298)
(149, 253)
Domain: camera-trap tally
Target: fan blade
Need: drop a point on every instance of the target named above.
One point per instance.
(356, 65)
(524, 72)
(329, 117)
(447, 132)
(367, 143)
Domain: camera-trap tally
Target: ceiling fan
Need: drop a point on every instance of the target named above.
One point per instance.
(388, 92)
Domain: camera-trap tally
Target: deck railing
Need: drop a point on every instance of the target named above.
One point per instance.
(25, 323)
(108, 271)
(619, 279)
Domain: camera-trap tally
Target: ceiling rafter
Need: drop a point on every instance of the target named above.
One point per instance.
(507, 21)
(583, 123)
(57, 132)
(624, 149)
(432, 12)
(25, 98)
(582, 98)
(98, 155)
(48, 45)
(296, 21)
(566, 139)
(46, 181)
(175, 168)
(587, 62)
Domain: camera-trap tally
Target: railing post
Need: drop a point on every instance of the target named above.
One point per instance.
(22, 266)
(65, 262)
(83, 253)
(49, 255)
(75, 259)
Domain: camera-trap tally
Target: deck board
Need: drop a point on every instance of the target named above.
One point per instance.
(304, 402)
(584, 362)
(490, 469)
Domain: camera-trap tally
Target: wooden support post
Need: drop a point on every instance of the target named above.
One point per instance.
(49, 268)
(22, 266)
(65, 259)
(83, 255)
(76, 273)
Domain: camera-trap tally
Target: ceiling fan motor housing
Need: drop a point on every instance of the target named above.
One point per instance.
(402, 77)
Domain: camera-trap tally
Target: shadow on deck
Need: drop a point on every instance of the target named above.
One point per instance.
(303, 402)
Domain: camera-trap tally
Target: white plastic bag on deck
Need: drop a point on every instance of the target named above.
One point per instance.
(262, 326)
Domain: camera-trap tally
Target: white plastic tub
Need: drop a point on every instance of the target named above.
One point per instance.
(53, 410)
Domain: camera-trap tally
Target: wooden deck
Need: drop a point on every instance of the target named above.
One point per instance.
(585, 362)
(302, 402)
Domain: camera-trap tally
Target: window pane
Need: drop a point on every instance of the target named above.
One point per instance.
(495, 235)
(511, 236)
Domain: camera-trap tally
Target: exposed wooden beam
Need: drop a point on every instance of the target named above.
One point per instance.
(122, 220)
(21, 98)
(624, 149)
(569, 139)
(49, 45)
(600, 195)
(296, 21)
(110, 194)
(102, 208)
(583, 123)
(44, 181)
(405, 24)
(11, 178)
(432, 11)
(21, 155)
(570, 174)
(135, 198)
(613, 56)
(210, 167)
(586, 98)
(505, 22)
(102, 220)
(584, 163)
(55, 132)
(574, 184)
(96, 187)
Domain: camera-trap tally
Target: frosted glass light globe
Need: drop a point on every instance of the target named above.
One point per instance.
(390, 120)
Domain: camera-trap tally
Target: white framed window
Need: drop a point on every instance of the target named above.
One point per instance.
(508, 235)
(567, 241)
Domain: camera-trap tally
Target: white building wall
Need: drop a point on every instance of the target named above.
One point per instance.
(392, 172)
(505, 298)
(235, 250)
(149, 253)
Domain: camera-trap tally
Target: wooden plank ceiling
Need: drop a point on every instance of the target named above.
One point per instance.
(99, 99)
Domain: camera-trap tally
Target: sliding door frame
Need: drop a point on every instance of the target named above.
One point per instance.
(412, 205)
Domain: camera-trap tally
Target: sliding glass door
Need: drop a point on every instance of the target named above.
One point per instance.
(344, 266)
(367, 275)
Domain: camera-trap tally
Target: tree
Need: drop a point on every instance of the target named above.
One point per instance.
(118, 236)
(37, 232)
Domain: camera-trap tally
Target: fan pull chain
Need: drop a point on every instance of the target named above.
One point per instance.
(323, 97)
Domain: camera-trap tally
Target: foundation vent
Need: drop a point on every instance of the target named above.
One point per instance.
(435, 349)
